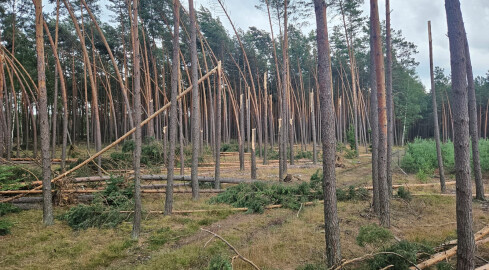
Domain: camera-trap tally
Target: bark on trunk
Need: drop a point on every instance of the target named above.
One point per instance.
(435, 115)
(389, 99)
(195, 102)
(47, 213)
(456, 37)
(136, 227)
(375, 126)
(381, 101)
(173, 107)
(473, 129)
(332, 228)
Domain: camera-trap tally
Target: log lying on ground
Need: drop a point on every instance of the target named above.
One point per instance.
(9, 192)
(164, 177)
(416, 185)
(438, 257)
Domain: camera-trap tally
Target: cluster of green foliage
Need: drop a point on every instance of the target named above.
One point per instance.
(350, 137)
(6, 208)
(404, 193)
(5, 226)
(17, 177)
(256, 196)
(303, 154)
(373, 234)
(350, 154)
(229, 147)
(420, 157)
(218, 262)
(105, 209)
(406, 249)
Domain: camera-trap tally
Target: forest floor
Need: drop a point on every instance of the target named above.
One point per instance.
(275, 239)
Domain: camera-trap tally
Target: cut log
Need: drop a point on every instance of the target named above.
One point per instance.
(164, 177)
(438, 257)
(416, 185)
(484, 267)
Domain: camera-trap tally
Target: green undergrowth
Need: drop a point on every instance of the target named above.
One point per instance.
(17, 177)
(7, 208)
(421, 159)
(408, 251)
(104, 211)
(5, 226)
(256, 196)
(373, 234)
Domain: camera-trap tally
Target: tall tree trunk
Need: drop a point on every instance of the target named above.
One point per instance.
(388, 96)
(375, 126)
(456, 37)
(48, 218)
(173, 107)
(283, 127)
(474, 135)
(381, 101)
(265, 119)
(195, 102)
(136, 228)
(332, 227)
(435, 115)
(241, 133)
(217, 138)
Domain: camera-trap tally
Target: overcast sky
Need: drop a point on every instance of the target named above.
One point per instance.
(410, 16)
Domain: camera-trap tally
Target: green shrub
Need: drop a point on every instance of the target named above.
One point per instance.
(218, 262)
(350, 137)
(350, 154)
(404, 193)
(421, 157)
(373, 234)
(121, 156)
(303, 154)
(105, 209)
(128, 146)
(5, 226)
(16, 177)
(422, 176)
(6, 208)
(229, 147)
(404, 248)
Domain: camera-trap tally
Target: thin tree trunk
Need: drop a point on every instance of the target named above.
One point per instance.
(173, 107)
(456, 37)
(332, 228)
(195, 102)
(241, 133)
(253, 156)
(48, 218)
(375, 126)
(389, 99)
(381, 100)
(435, 115)
(313, 123)
(265, 119)
(217, 138)
(136, 228)
(479, 185)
